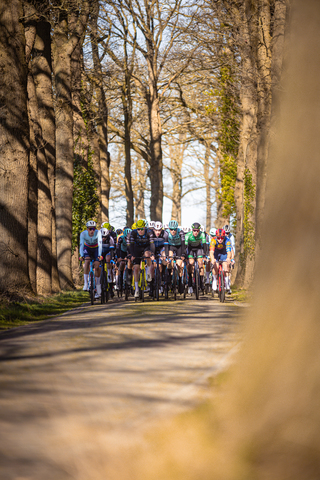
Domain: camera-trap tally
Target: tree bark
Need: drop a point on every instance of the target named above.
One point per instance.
(127, 109)
(155, 171)
(102, 120)
(48, 129)
(65, 40)
(207, 179)
(44, 251)
(30, 35)
(14, 149)
(247, 155)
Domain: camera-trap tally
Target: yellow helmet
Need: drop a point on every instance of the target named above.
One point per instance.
(141, 224)
(133, 226)
(106, 225)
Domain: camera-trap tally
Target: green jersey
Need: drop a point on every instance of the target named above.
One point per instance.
(193, 242)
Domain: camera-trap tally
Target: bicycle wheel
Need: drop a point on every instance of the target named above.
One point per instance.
(157, 283)
(174, 283)
(196, 274)
(126, 286)
(92, 288)
(222, 291)
(166, 285)
(103, 287)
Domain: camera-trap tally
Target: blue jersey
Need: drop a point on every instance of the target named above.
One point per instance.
(90, 242)
(161, 241)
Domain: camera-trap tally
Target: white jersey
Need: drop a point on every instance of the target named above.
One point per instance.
(233, 242)
(91, 242)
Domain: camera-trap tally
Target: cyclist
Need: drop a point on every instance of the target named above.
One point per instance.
(195, 242)
(141, 244)
(122, 248)
(109, 241)
(230, 235)
(220, 249)
(176, 244)
(90, 249)
(208, 258)
(160, 243)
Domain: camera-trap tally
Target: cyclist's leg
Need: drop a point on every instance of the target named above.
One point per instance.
(208, 269)
(200, 254)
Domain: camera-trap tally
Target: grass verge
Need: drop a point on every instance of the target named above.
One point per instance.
(13, 314)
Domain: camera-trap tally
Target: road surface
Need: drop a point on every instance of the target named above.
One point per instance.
(103, 375)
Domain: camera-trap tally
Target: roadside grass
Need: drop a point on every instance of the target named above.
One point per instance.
(32, 309)
(240, 294)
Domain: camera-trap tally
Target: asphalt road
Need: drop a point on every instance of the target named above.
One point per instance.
(104, 375)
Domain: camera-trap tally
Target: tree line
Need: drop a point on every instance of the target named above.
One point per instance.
(100, 99)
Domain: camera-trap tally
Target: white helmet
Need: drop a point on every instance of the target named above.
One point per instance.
(201, 228)
(158, 226)
(213, 231)
(185, 229)
(91, 223)
(165, 226)
(151, 224)
(104, 232)
(226, 228)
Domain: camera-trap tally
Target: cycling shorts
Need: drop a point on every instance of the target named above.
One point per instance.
(122, 254)
(106, 250)
(177, 249)
(199, 252)
(91, 252)
(138, 252)
(220, 256)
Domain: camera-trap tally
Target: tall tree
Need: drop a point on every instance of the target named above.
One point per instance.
(14, 149)
(70, 24)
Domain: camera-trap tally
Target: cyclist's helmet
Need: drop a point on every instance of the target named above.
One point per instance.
(133, 226)
(91, 223)
(104, 232)
(165, 226)
(119, 231)
(226, 229)
(185, 229)
(106, 225)
(151, 224)
(141, 224)
(196, 226)
(112, 228)
(220, 232)
(126, 231)
(213, 232)
(201, 228)
(173, 225)
(158, 226)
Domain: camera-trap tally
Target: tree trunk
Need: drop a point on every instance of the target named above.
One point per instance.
(80, 137)
(246, 156)
(264, 109)
(14, 149)
(140, 187)
(47, 122)
(206, 171)
(102, 120)
(44, 254)
(30, 35)
(62, 51)
(127, 108)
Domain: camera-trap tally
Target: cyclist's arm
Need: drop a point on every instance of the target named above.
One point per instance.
(81, 243)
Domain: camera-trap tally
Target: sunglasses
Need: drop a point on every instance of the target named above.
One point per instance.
(220, 238)
(91, 229)
(140, 228)
(173, 229)
(196, 230)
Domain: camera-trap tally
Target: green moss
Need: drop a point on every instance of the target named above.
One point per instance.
(13, 314)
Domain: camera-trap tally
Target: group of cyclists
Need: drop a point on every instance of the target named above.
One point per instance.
(155, 242)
